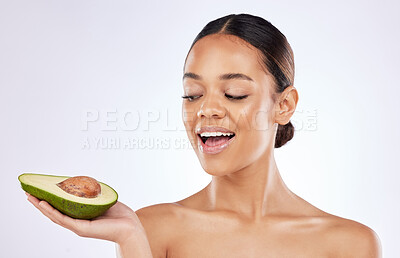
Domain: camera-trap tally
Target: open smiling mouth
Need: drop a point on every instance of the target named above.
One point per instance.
(213, 143)
(215, 140)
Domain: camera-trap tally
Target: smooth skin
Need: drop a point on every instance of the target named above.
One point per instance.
(246, 210)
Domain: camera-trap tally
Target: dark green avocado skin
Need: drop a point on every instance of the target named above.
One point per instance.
(67, 207)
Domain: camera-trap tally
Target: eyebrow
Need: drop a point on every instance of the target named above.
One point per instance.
(226, 76)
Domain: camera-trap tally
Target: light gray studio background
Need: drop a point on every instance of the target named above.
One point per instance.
(94, 88)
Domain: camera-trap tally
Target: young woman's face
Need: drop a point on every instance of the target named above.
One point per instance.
(218, 69)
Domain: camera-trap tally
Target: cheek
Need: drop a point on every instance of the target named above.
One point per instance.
(188, 115)
(255, 131)
(189, 121)
(253, 117)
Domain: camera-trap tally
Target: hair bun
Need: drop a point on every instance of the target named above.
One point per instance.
(284, 134)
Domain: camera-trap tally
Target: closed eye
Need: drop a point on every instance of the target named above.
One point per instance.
(236, 97)
(191, 98)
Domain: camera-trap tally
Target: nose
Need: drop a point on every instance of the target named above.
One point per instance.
(211, 109)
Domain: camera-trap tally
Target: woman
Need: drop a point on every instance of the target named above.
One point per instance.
(238, 101)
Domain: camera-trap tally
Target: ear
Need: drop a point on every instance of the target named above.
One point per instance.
(286, 105)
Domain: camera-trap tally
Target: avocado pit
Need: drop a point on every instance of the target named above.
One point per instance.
(81, 186)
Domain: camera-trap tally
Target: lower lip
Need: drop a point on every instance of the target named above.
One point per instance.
(214, 149)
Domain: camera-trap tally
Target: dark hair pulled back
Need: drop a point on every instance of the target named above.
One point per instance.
(277, 55)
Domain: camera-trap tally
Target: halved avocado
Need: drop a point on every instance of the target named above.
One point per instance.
(44, 187)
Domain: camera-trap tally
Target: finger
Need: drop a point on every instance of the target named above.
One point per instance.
(43, 206)
(40, 205)
(114, 211)
(35, 201)
(54, 215)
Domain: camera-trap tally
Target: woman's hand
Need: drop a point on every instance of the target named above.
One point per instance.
(119, 224)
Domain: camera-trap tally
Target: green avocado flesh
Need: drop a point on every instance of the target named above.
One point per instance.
(44, 187)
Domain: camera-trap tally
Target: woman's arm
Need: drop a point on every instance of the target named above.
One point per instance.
(353, 239)
(364, 243)
(119, 224)
(137, 245)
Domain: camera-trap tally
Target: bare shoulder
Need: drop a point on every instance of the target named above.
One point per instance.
(158, 210)
(157, 221)
(344, 237)
(349, 238)
(159, 213)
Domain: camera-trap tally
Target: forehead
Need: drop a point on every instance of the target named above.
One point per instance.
(218, 53)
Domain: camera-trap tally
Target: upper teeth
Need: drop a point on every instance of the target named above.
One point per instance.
(209, 134)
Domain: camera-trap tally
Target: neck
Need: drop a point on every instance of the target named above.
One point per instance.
(253, 192)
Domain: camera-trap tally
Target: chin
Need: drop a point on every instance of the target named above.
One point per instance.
(219, 167)
(214, 165)
(216, 172)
